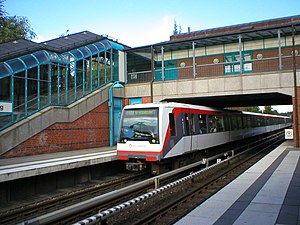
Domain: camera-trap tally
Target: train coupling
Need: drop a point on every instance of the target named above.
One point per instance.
(135, 166)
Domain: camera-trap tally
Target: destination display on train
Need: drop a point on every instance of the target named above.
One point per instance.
(141, 112)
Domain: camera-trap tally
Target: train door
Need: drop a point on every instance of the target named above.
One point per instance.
(187, 139)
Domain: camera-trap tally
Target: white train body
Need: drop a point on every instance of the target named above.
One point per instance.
(155, 131)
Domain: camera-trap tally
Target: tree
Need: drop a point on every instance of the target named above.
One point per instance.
(175, 31)
(269, 110)
(254, 109)
(2, 11)
(14, 27)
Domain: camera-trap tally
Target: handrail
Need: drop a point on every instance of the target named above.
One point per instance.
(148, 73)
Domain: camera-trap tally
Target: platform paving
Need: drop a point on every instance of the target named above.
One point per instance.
(267, 193)
(21, 167)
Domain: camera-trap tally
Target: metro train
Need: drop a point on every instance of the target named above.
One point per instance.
(153, 132)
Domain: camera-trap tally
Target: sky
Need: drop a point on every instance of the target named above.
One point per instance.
(143, 22)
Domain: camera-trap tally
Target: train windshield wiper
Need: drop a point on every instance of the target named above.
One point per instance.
(142, 134)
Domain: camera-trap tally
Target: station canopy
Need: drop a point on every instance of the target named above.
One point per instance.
(22, 54)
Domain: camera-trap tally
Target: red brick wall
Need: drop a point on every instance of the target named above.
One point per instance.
(273, 64)
(212, 69)
(147, 99)
(89, 131)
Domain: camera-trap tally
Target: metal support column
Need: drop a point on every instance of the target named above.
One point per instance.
(152, 72)
(241, 55)
(279, 49)
(162, 63)
(111, 63)
(194, 60)
(125, 68)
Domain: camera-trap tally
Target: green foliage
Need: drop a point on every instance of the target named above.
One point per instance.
(270, 110)
(14, 27)
(175, 31)
(254, 109)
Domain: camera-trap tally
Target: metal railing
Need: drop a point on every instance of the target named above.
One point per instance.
(271, 64)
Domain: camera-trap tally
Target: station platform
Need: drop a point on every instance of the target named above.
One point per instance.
(267, 193)
(21, 167)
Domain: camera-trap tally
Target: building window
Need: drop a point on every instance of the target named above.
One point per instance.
(232, 62)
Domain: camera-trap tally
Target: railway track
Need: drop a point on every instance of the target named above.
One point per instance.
(173, 201)
(27, 210)
(170, 204)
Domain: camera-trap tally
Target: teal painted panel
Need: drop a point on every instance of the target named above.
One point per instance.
(135, 101)
(117, 117)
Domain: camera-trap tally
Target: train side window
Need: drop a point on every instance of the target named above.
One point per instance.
(193, 123)
(234, 122)
(212, 124)
(220, 123)
(202, 124)
(172, 124)
(216, 123)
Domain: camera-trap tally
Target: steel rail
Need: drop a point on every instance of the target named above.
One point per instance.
(109, 212)
(93, 202)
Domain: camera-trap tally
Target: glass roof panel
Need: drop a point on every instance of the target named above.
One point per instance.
(92, 48)
(16, 65)
(4, 70)
(69, 56)
(106, 44)
(100, 46)
(41, 56)
(77, 54)
(58, 58)
(84, 51)
(29, 60)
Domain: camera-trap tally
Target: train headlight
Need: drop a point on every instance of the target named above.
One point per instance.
(124, 140)
(153, 141)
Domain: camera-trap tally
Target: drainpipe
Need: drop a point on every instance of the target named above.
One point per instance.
(296, 125)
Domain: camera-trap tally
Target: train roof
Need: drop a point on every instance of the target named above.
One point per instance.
(264, 115)
(173, 105)
(183, 105)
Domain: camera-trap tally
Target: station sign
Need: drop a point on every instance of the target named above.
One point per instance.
(288, 134)
(5, 107)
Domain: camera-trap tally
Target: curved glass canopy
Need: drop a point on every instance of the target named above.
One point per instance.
(41, 57)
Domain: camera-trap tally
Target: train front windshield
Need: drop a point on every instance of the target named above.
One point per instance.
(140, 125)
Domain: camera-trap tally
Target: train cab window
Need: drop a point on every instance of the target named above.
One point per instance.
(140, 125)
(202, 124)
(172, 124)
